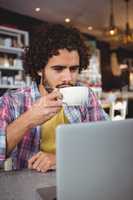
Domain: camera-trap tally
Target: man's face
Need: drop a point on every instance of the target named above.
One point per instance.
(62, 69)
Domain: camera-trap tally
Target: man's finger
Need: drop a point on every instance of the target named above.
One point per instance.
(54, 95)
(33, 159)
(44, 167)
(38, 161)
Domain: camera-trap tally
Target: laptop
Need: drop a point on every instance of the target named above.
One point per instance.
(94, 162)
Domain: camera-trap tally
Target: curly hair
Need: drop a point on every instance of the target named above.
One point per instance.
(47, 41)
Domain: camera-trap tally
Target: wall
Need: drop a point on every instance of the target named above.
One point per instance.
(28, 23)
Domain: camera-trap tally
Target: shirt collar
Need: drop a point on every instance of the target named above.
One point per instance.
(35, 91)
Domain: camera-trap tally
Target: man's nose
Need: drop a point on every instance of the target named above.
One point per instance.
(67, 76)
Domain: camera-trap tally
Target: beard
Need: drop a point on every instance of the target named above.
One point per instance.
(49, 88)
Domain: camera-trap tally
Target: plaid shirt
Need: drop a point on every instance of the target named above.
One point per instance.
(14, 103)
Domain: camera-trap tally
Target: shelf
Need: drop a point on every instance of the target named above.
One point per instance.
(11, 50)
(15, 32)
(11, 63)
(10, 86)
(11, 68)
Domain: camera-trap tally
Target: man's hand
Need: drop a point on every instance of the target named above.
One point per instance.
(42, 162)
(44, 108)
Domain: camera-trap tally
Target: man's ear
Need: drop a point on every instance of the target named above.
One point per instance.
(39, 73)
(39, 77)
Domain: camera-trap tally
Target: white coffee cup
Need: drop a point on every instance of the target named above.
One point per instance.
(75, 95)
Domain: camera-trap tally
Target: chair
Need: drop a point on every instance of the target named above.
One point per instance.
(118, 110)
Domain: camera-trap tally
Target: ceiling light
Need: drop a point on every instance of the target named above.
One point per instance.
(37, 9)
(67, 20)
(112, 29)
(128, 35)
(114, 35)
(112, 32)
(90, 28)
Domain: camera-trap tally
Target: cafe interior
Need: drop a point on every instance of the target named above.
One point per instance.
(107, 27)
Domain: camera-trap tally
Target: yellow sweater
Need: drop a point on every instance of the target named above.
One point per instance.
(48, 132)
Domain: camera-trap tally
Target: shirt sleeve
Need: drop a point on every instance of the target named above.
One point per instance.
(5, 119)
(94, 111)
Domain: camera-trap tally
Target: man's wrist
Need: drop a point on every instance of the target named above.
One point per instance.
(27, 121)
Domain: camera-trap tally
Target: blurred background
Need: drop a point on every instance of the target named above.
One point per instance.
(107, 26)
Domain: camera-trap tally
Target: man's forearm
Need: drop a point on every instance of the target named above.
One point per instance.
(16, 131)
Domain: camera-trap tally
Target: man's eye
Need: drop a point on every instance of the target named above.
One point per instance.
(58, 69)
(74, 69)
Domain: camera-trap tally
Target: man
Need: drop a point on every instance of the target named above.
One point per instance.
(29, 116)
